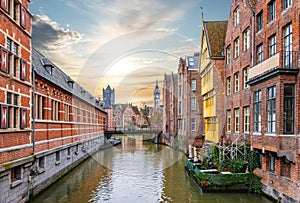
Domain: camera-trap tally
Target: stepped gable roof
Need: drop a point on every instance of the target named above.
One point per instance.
(215, 32)
(46, 69)
(252, 3)
(122, 107)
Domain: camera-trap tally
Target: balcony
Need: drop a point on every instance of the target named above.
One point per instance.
(288, 60)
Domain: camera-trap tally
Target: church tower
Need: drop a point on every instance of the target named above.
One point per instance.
(108, 95)
(156, 95)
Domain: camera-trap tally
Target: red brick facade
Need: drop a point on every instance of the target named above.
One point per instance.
(15, 81)
(237, 59)
(275, 76)
(183, 104)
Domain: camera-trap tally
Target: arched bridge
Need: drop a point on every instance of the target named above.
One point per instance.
(131, 132)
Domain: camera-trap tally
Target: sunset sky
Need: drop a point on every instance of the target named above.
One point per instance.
(126, 44)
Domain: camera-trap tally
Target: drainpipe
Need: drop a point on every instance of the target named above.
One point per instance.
(33, 169)
(33, 109)
(252, 30)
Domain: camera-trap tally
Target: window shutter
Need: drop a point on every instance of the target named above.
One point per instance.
(4, 116)
(23, 17)
(4, 60)
(23, 68)
(23, 118)
(4, 5)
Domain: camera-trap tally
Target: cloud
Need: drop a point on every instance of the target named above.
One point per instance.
(116, 29)
(48, 35)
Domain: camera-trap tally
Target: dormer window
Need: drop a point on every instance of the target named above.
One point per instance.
(47, 65)
(71, 83)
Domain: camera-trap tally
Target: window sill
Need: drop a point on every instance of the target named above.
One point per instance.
(270, 134)
(69, 157)
(256, 133)
(57, 162)
(16, 183)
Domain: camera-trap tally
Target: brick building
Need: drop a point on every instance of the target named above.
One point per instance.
(238, 55)
(49, 123)
(128, 117)
(211, 69)
(183, 105)
(69, 122)
(170, 129)
(274, 83)
(16, 143)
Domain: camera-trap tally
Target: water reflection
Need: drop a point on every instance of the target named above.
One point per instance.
(134, 172)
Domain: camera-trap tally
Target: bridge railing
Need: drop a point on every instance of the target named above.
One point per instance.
(130, 130)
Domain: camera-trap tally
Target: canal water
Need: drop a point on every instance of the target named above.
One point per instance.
(134, 172)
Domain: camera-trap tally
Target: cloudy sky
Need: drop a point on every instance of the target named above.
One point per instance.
(128, 44)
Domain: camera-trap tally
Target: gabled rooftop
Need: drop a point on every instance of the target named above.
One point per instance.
(46, 69)
(215, 32)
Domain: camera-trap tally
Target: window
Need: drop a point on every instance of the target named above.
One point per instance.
(179, 107)
(41, 164)
(236, 120)
(288, 46)
(287, 4)
(272, 10)
(13, 110)
(193, 124)
(180, 90)
(77, 149)
(57, 157)
(75, 114)
(228, 113)
(69, 152)
(247, 119)
(246, 41)
(271, 109)
(236, 16)
(228, 55)
(67, 112)
(272, 45)
(210, 124)
(260, 53)
(245, 77)
(257, 111)
(285, 168)
(55, 110)
(13, 65)
(259, 21)
(236, 82)
(289, 109)
(39, 107)
(16, 174)
(15, 10)
(228, 85)
(236, 48)
(272, 164)
(193, 84)
(193, 103)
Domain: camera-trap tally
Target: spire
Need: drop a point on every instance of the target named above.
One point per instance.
(156, 86)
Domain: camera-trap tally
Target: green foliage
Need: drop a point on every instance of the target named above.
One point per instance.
(235, 166)
(215, 154)
(253, 160)
(222, 179)
(205, 179)
(254, 183)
